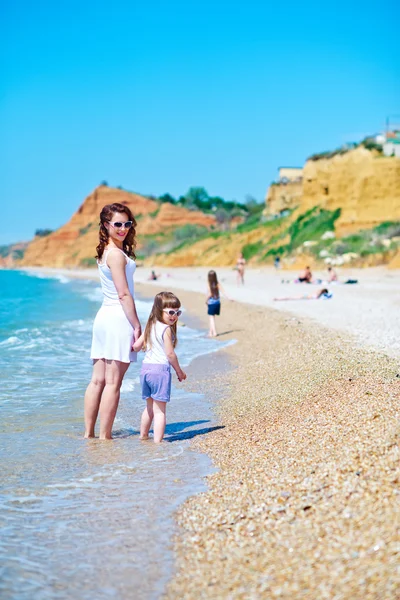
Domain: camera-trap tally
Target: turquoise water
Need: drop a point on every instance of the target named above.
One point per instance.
(83, 518)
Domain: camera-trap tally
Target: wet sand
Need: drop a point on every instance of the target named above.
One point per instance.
(306, 500)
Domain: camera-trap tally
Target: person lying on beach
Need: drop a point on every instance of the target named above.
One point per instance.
(325, 294)
(158, 341)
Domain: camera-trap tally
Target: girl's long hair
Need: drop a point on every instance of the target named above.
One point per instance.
(106, 215)
(161, 301)
(213, 283)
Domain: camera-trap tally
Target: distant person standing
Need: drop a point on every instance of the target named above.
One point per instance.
(213, 301)
(153, 276)
(116, 325)
(240, 265)
(277, 262)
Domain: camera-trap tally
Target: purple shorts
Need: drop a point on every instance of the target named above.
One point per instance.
(156, 382)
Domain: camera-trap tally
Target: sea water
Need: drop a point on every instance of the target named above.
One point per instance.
(83, 518)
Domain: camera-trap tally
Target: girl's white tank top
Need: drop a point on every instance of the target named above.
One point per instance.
(110, 294)
(155, 355)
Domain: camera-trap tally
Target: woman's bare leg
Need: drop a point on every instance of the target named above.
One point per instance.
(160, 420)
(115, 371)
(147, 419)
(93, 396)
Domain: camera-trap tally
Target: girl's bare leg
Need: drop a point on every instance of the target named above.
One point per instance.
(160, 420)
(213, 330)
(115, 371)
(147, 419)
(93, 396)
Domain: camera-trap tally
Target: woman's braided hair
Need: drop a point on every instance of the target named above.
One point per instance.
(106, 215)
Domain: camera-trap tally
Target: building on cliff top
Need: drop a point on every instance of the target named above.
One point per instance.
(391, 145)
(285, 194)
(290, 174)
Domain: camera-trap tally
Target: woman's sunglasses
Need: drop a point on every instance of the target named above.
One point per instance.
(172, 313)
(118, 225)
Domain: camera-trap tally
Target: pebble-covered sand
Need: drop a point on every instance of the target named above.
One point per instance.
(306, 500)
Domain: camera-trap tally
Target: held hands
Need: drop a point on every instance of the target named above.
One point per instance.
(138, 340)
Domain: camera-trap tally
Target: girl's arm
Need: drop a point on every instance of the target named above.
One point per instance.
(117, 263)
(209, 294)
(138, 345)
(170, 352)
(221, 289)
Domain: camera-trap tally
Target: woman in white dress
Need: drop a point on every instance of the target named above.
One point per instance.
(116, 325)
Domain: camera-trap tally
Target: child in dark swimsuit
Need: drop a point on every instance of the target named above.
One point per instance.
(213, 301)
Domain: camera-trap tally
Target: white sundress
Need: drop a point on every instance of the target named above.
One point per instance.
(112, 333)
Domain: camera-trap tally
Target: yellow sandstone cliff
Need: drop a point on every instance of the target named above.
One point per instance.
(75, 242)
(283, 196)
(363, 184)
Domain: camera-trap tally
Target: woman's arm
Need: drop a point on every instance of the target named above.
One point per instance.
(117, 263)
(170, 352)
(209, 294)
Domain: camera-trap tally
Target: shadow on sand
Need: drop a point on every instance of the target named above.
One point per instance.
(229, 331)
(178, 435)
(174, 432)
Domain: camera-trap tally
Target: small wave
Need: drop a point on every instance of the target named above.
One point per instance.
(94, 296)
(11, 341)
(169, 457)
(128, 385)
(80, 324)
(40, 275)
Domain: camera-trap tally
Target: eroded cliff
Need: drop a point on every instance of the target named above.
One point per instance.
(74, 243)
(363, 184)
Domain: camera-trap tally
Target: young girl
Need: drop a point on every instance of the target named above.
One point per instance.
(158, 341)
(213, 301)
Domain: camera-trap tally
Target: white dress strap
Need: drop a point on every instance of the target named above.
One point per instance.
(107, 252)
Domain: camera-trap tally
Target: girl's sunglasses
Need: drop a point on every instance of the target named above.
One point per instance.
(172, 313)
(118, 225)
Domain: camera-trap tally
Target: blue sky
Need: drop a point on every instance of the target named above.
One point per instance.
(161, 96)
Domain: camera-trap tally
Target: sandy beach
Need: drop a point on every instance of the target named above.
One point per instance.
(305, 502)
(367, 313)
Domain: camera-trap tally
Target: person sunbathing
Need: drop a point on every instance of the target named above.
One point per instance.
(305, 276)
(324, 293)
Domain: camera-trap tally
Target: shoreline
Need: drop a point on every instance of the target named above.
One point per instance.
(367, 311)
(306, 493)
